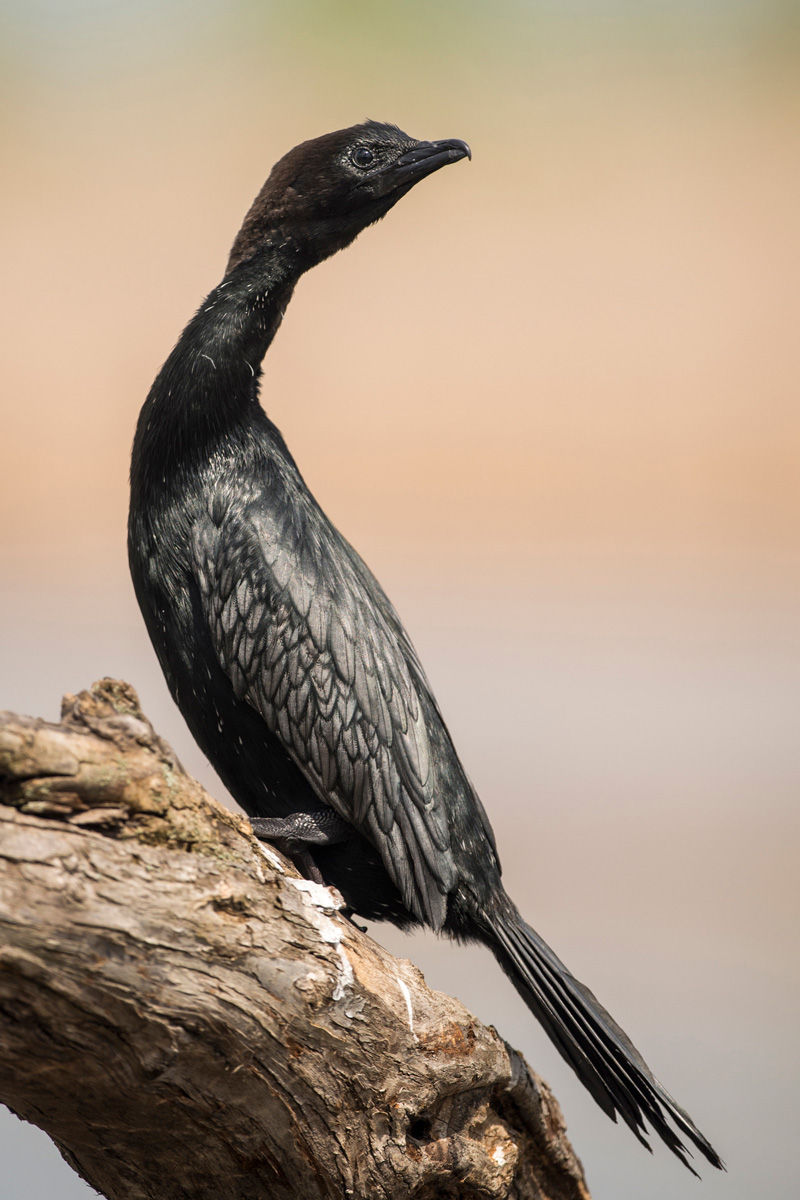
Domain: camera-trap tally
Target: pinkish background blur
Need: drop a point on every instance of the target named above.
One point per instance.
(552, 399)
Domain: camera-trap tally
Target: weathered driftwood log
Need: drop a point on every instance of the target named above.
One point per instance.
(186, 1017)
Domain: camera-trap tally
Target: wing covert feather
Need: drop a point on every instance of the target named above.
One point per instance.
(297, 631)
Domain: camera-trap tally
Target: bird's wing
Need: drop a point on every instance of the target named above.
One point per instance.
(294, 627)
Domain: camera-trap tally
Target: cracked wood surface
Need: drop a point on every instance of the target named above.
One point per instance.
(186, 1017)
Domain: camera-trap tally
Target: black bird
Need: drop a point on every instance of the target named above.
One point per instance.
(289, 663)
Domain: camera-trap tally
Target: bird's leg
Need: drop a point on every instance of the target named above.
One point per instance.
(321, 828)
(304, 861)
(294, 834)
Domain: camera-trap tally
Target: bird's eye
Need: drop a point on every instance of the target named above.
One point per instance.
(362, 156)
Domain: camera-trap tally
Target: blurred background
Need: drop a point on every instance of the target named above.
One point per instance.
(552, 399)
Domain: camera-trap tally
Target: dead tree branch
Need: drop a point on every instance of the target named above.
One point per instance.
(186, 1017)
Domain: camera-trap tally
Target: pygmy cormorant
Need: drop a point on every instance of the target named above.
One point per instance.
(289, 663)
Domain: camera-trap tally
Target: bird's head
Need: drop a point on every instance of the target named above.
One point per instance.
(322, 193)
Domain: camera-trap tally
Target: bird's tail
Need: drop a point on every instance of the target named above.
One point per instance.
(601, 1054)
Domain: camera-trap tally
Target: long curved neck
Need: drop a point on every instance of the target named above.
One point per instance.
(208, 387)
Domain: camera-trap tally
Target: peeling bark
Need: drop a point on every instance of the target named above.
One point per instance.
(186, 1017)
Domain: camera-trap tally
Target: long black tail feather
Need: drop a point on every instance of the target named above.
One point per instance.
(601, 1054)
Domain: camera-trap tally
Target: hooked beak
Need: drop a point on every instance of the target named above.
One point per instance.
(424, 159)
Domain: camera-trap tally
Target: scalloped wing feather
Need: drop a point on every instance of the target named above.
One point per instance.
(300, 637)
